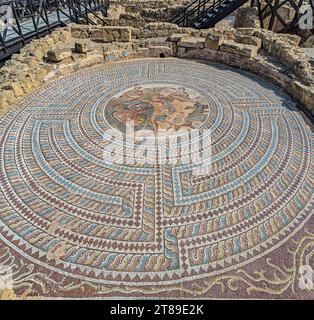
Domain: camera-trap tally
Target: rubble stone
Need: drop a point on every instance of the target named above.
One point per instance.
(239, 49)
(251, 40)
(247, 17)
(213, 41)
(57, 55)
(192, 42)
(119, 34)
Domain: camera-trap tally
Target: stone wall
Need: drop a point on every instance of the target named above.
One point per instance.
(276, 57)
(137, 13)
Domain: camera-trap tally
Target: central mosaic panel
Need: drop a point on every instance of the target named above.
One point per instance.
(152, 107)
(80, 219)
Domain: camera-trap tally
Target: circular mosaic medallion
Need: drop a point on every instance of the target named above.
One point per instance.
(152, 107)
(69, 210)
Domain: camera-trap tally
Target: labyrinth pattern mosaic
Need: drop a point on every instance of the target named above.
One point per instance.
(73, 224)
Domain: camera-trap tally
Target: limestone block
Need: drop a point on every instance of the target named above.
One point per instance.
(31, 62)
(65, 61)
(93, 57)
(115, 10)
(17, 57)
(15, 87)
(66, 69)
(291, 56)
(129, 19)
(26, 84)
(303, 70)
(50, 41)
(239, 49)
(159, 41)
(308, 98)
(309, 43)
(95, 19)
(37, 53)
(9, 96)
(46, 68)
(251, 40)
(147, 34)
(160, 51)
(41, 72)
(161, 26)
(202, 54)
(3, 101)
(78, 56)
(192, 42)
(233, 59)
(57, 55)
(94, 53)
(141, 52)
(286, 13)
(247, 17)
(96, 32)
(196, 33)
(162, 33)
(158, 29)
(181, 52)
(293, 39)
(80, 31)
(245, 31)
(65, 35)
(108, 47)
(83, 46)
(175, 37)
(228, 33)
(213, 41)
(276, 46)
(269, 69)
(303, 93)
(138, 44)
(117, 34)
(266, 36)
(136, 32)
(123, 45)
(185, 30)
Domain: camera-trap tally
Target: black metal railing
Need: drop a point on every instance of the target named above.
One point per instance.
(23, 20)
(202, 14)
(269, 12)
(218, 10)
(194, 9)
(79, 11)
(205, 13)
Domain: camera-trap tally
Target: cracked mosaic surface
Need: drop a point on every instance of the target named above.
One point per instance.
(74, 225)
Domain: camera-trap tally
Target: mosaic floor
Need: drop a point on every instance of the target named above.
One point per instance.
(73, 224)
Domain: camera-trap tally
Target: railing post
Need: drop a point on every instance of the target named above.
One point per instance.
(32, 14)
(17, 20)
(57, 3)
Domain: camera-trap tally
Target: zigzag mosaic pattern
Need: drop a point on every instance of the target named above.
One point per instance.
(80, 219)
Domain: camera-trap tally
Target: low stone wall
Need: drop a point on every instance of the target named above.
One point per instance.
(137, 13)
(275, 57)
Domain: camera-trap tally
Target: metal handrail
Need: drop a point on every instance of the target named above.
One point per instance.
(215, 5)
(185, 13)
(31, 19)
